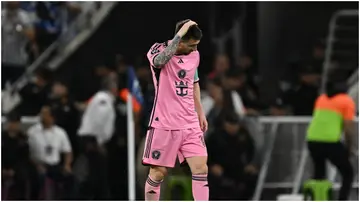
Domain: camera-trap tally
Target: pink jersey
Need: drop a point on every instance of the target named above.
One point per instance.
(174, 106)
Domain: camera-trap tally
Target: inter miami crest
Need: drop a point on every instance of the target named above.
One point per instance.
(156, 154)
(182, 74)
(181, 86)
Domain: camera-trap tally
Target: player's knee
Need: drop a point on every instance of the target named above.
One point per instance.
(158, 173)
(200, 169)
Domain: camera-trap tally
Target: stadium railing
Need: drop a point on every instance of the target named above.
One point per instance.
(78, 32)
(341, 46)
(286, 164)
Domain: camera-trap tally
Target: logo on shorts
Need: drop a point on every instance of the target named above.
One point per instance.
(156, 154)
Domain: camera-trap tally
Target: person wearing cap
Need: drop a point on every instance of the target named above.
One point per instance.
(232, 173)
(15, 159)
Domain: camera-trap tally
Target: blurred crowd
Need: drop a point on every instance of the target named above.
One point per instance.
(28, 28)
(57, 156)
(235, 85)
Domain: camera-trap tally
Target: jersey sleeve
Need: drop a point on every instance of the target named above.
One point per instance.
(154, 51)
(349, 108)
(196, 77)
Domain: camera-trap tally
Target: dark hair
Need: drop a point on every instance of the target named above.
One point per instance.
(13, 117)
(52, 110)
(336, 82)
(194, 31)
(61, 82)
(110, 82)
(231, 117)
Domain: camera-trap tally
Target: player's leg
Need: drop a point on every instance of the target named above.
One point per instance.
(195, 153)
(153, 183)
(160, 152)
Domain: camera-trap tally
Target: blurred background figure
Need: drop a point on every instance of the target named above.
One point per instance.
(231, 154)
(221, 65)
(96, 129)
(15, 160)
(17, 34)
(48, 142)
(67, 115)
(36, 93)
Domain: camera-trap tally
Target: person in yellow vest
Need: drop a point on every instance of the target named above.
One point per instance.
(334, 113)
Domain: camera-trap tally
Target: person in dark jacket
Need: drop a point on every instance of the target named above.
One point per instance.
(15, 159)
(66, 114)
(232, 176)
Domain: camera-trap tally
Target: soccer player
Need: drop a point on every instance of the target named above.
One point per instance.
(177, 121)
(334, 112)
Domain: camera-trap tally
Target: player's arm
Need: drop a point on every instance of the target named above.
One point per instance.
(162, 58)
(197, 96)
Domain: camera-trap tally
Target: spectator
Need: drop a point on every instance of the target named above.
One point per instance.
(213, 103)
(67, 116)
(47, 142)
(221, 65)
(17, 32)
(235, 81)
(97, 128)
(144, 76)
(232, 175)
(245, 63)
(302, 98)
(15, 159)
(278, 108)
(86, 83)
(121, 65)
(47, 30)
(35, 94)
(117, 154)
(317, 59)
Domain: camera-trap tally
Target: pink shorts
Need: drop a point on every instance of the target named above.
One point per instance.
(163, 146)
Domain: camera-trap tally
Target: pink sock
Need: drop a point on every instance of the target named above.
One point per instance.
(200, 187)
(152, 190)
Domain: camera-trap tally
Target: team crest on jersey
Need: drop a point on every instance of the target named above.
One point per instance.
(156, 154)
(182, 74)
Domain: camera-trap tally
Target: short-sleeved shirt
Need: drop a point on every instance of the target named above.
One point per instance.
(328, 117)
(99, 117)
(46, 145)
(174, 106)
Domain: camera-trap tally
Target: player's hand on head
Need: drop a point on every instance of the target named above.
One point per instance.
(184, 29)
